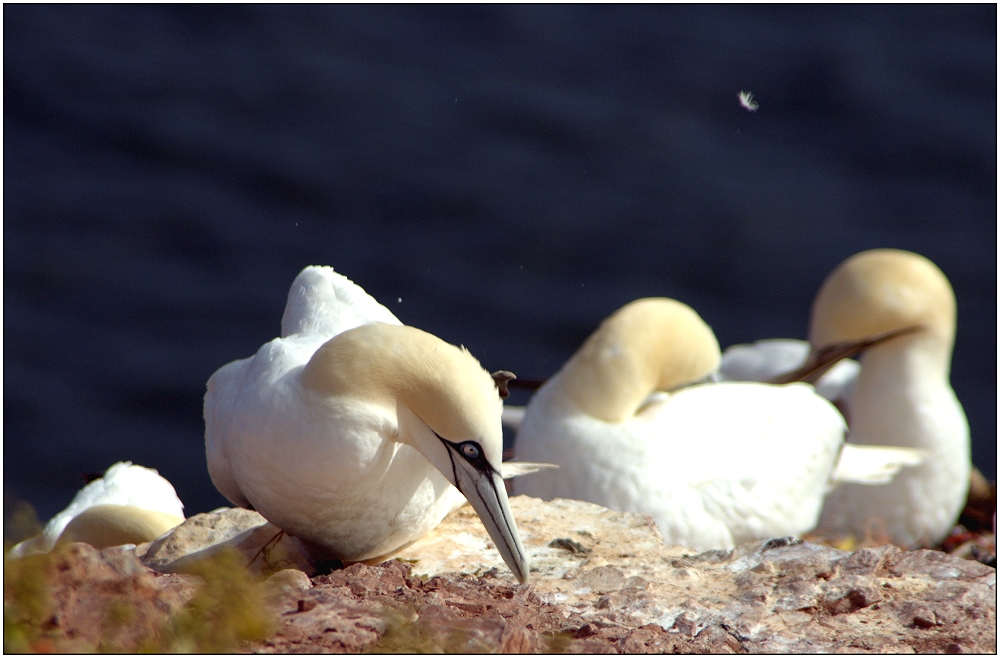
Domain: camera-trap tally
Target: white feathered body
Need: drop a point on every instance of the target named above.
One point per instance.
(122, 484)
(268, 434)
(900, 398)
(715, 465)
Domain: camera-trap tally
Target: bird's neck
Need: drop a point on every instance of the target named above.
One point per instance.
(902, 395)
(614, 372)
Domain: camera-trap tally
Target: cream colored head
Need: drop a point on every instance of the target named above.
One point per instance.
(447, 407)
(882, 290)
(102, 526)
(647, 345)
(442, 384)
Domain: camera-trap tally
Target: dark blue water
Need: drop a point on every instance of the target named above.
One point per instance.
(503, 177)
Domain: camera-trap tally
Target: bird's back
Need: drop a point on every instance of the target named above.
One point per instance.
(123, 484)
(326, 303)
(321, 304)
(714, 465)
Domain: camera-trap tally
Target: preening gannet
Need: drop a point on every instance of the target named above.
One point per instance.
(898, 395)
(714, 464)
(128, 505)
(352, 432)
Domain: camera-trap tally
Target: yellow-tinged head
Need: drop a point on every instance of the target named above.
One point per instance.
(442, 384)
(447, 407)
(647, 345)
(879, 291)
(102, 526)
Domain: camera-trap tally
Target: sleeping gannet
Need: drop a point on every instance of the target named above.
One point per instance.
(128, 505)
(898, 395)
(714, 464)
(901, 395)
(356, 434)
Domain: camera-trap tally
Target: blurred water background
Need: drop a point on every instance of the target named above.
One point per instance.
(503, 177)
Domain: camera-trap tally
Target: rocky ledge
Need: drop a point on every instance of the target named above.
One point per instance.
(602, 582)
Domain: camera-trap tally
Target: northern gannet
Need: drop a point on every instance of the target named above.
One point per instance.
(902, 395)
(898, 395)
(714, 464)
(351, 432)
(128, 505)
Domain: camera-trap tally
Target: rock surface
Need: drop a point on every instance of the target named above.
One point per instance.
(602, 582)
(266, 548)
(94, 600)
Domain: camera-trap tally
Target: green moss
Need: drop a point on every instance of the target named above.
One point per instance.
(419, 636)
(556, 641)
(117, 618)
(228, 609)
(27, 602)
(19, 523)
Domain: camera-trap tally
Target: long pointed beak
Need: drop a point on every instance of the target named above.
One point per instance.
(485, 490)
(821, 360)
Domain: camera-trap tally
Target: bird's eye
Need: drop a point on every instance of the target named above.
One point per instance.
(470, 450)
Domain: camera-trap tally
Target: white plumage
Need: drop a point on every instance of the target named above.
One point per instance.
(349, 430)
(128, 492)
(898, 395)
(713, 464)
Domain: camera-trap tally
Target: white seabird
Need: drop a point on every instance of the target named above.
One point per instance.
(352, 432)
(128, 505)
(714, 464)
(901, 396)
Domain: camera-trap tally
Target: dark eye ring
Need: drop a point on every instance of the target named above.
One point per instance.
(470, 450)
